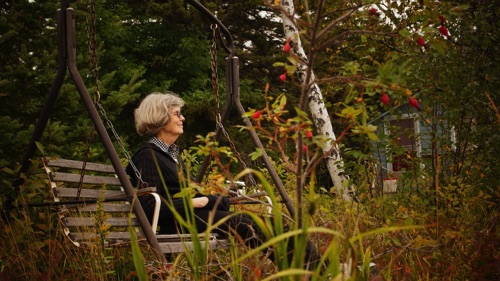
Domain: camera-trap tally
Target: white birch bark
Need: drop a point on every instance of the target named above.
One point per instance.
(319, 114)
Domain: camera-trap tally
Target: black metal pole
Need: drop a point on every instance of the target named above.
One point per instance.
(233, 96)
(256, 140)
(51, 99)
(103, 134)
(228, 46)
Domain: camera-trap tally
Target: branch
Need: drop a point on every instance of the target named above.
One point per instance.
(348, 78)
(337, 20)
(493, 106)
(357, 31)
(313, 164)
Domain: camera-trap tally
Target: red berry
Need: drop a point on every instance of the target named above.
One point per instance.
(286, 47)
(385, 99)
(257, 114)
(304, 148)
(283, 77)
(421, 41)
(442, 19)
(309, 134)
(414, 102)
(374, 12)
(444, 31)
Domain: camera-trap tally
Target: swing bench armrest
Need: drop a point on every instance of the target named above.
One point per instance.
(146, 191)
(156, 213)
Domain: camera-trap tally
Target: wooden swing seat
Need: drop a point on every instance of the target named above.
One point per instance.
(94, 209)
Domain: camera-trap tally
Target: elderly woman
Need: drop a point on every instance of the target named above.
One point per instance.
(159, 117)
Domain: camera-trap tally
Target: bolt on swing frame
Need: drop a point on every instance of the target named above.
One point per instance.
(67, 62)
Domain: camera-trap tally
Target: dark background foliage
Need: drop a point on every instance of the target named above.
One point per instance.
(146, 46)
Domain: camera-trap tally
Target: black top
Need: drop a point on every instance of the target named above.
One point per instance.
(159, 169)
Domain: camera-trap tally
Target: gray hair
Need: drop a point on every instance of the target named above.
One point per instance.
(153, 112)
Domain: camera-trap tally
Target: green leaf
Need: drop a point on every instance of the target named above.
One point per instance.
(405, 33)
(438, 46)
(301, 112)
(257, 154)
(40, 147)
(290, 69)
(137, 256)
(350, 112)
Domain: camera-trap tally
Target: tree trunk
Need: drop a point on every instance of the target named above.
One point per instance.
(319, 114)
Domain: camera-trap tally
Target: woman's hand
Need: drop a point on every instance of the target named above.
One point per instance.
(200, 202)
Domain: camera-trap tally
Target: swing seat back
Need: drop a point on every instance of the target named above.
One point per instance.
(94, 209)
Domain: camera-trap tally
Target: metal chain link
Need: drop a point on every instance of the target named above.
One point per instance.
(92, 58)
(109, 124)
(215, 89)
(238, 155)
(215, 73)
(90, 29)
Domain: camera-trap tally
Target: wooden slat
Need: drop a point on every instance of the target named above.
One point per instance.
(161, 238)
(176, 247)
(87, 179)
(171, 243)
(69, 172)
(89, 222)
(115, 235)
(173, 237)
(90, 193)
(73, 164)
(107, 207)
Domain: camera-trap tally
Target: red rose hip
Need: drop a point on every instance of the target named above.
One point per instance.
(385, 99)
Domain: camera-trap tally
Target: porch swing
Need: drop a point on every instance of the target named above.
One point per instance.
(106, 190)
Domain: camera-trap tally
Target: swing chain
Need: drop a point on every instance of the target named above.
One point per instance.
(90, 30)
(138, 175)
(215, 73)
(215, 89)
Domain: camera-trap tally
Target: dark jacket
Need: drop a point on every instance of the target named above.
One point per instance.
(158, 169)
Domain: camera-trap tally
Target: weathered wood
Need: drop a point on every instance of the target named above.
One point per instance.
(79, 165)
(183, 242)
(106, 207)
(90, 222)
(65, 193)
(100, 183)
(115, 235)
(87, 179)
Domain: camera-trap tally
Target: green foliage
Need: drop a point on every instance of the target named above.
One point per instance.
(441, 224)
(35, 246)
(138, 257)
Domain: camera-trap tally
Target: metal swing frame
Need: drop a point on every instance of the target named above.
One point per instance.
(233, 99)
(67, 62)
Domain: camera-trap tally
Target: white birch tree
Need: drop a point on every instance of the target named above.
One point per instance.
(312, 92)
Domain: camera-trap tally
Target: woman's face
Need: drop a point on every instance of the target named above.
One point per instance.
(174, 126)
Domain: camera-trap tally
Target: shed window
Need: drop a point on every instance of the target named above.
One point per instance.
(404, 132)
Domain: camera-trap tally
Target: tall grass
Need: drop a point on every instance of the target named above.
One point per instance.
(403, 234)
